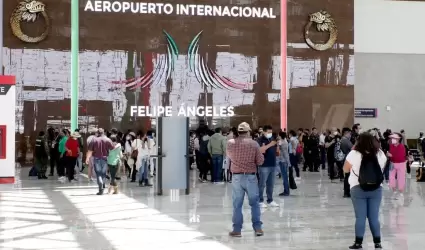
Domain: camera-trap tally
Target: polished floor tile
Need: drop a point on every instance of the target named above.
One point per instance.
(44, 214)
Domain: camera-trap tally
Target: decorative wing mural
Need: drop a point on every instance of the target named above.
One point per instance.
(162, 71)
(204, 74)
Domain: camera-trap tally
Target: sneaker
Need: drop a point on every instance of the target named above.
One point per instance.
(283, 194)
(297, 178)
(394, 196)
(401, 196)
(273, 204)
(74, 181)
(61, 179)
(356, 246)
(378, 246)
(263, 205)
(235, 234)
(259, 232)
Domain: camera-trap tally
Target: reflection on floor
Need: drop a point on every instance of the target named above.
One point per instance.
(47, 215)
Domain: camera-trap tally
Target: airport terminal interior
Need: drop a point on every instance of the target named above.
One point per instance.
(289, 64)
(44, 214)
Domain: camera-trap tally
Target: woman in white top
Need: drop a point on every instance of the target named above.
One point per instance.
(142, 161)
(366, 204)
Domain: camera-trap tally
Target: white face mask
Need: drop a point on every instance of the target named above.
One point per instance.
(394, 141)
(268, 135)
(335, 133)
(128, 137)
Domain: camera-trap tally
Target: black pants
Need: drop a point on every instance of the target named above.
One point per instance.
(204, 166)
(308, 161)
(133, 172)
(70, 163)
(331, 165)
(53, 160)
(198, 159)
(312, 161)
(113, 169)
(191, 161)
(346, 185)
(61, 166)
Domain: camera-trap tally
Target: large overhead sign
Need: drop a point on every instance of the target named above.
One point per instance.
(179, 9)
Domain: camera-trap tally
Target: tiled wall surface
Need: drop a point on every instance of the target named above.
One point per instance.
(116, 46)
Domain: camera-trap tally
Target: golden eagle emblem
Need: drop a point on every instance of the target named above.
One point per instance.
(324, 23)
(29, 11)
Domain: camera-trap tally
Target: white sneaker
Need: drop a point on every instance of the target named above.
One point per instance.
(409, 176)
(263, 205)
(394, 196)
(273, 204)
(74, 181)
(297, 178)
(401, 196)
(61, 179)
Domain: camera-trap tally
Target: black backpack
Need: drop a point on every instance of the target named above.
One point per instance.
(370, 173)
(203, 146)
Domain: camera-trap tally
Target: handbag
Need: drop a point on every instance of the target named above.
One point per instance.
(135, 152)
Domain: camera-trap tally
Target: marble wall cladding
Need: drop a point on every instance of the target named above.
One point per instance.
(118, 46)
(320, 82)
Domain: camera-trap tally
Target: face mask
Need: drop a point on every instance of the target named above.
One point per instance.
(268, 136)
(394, 141)
(128, 138)
(335, 133)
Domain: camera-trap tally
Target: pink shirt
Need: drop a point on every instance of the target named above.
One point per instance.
(398, 153)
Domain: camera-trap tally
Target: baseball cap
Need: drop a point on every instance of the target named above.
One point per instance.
(244, 127)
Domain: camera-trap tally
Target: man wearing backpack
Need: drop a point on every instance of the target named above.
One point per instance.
(346, 147)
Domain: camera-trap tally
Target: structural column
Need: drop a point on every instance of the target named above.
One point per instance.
(74, 62)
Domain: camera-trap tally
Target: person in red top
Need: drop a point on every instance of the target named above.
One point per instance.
(72, 149)
(397, 155)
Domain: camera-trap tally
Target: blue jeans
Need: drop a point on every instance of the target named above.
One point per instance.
(144, 169)
(267, 177)
(294, 163)
(100, 167)
(387, 171)
(217, 168)
(284, 171)
(245, 184)
(366, 205)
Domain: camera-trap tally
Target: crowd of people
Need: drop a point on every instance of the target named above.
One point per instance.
(364, 161)
(110, 155)
(251, 160)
